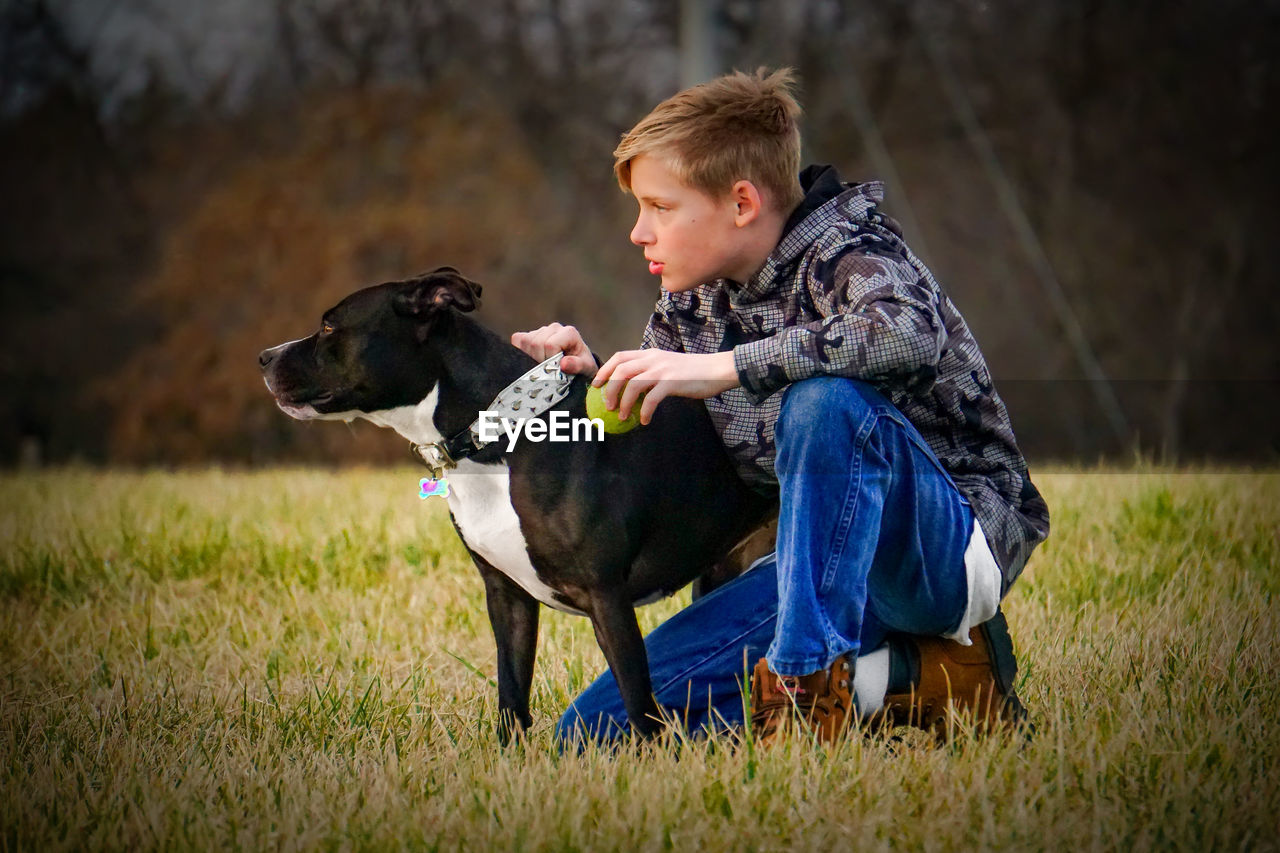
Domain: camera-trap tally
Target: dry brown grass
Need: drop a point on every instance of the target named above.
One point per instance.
(300, 659)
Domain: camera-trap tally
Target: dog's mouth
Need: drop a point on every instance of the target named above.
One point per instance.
(302, 406)
(321, 399)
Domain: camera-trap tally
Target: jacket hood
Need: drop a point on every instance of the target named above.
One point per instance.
(820, 183)
(827, 201)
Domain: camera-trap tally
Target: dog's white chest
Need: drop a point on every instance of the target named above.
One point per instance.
(480, 500)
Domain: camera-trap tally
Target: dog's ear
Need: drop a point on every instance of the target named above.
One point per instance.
(435, 291)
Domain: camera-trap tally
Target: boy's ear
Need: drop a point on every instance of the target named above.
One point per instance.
(748, 203)
(436, 291)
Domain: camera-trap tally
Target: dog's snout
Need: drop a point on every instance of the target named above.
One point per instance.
(265, 357)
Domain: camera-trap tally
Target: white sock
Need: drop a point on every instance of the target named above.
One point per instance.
(871, 680)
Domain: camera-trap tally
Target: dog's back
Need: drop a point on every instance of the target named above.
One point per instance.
(655, 507)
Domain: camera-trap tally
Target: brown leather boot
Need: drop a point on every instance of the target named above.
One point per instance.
(821, 701)
(959, 686)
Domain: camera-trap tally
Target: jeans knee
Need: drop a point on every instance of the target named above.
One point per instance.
(573, 733)
(567, 727)
(569, 731)
(825, 398)
(576, 728)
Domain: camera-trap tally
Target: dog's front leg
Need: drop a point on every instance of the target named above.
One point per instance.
(614, 620)
(513, 613)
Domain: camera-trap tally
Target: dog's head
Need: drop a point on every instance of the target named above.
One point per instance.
(361, 359)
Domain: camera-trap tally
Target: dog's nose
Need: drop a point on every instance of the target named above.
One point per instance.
(265, 357)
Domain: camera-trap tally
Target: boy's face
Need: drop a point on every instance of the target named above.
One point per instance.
(689, 238)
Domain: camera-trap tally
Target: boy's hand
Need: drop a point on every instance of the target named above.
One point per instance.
(547, 341)
(659, 374)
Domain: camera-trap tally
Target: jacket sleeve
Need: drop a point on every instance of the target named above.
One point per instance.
(878, 321)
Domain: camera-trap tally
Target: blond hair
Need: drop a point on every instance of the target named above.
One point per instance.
(736, 127)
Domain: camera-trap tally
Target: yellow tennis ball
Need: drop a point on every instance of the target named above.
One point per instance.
(612, 424)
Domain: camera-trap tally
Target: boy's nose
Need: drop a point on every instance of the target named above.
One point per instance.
(641, 235)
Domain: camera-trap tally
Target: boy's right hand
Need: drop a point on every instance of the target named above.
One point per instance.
(547, 341)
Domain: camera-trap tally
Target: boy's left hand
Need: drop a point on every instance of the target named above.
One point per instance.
(658, 374)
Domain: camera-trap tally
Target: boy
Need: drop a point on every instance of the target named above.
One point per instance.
(837, 371)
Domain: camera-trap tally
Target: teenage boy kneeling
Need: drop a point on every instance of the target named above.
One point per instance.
(838, 371)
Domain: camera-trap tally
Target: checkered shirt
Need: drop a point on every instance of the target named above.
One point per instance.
(843, 295)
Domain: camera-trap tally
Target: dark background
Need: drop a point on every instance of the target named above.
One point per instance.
(185, 183)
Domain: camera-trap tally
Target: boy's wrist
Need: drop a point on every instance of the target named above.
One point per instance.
(726, 370)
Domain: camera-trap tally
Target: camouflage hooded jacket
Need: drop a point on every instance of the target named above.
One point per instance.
(843, 295)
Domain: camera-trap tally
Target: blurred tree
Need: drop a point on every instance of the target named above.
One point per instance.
(169, 165)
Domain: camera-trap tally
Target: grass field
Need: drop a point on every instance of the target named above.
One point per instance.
(301, 659)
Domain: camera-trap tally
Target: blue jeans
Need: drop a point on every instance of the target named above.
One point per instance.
(871, 538)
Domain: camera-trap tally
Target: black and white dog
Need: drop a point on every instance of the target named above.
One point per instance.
(588, 527)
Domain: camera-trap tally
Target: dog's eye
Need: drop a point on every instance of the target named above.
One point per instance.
(326, 329)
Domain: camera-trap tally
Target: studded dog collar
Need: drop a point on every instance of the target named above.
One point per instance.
(536, 391)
